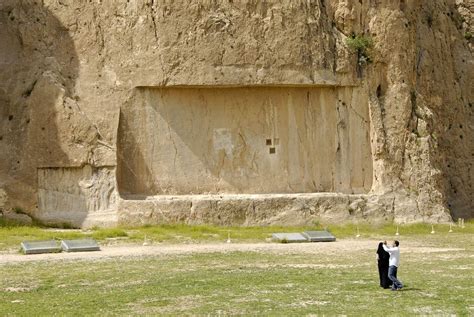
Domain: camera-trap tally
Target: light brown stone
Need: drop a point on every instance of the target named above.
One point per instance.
(15, 217)
(244, 140)
(73, 72)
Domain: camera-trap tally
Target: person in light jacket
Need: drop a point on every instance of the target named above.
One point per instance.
(393, 264)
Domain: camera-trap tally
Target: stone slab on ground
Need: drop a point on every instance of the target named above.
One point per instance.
(80, 245)
(289, 237)
(38, 247)
(319, 236)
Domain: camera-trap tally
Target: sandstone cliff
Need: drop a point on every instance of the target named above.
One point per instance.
(92, 129)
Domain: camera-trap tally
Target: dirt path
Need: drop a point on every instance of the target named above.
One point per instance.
(178, 249)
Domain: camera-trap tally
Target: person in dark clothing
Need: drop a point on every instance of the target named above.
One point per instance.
(382, 261)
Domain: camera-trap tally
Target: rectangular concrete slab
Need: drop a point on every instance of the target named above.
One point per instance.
(81, 245)
(319, 236)
(38, 247)
(289, 237)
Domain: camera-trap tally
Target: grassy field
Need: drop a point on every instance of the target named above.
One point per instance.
(438, 271)
(11, 235)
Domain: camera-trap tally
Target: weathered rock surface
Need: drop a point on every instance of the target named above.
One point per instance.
(19, 218)
(74, 73)
(244, 140)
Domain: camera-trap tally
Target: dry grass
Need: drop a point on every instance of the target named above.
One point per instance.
(437, 269)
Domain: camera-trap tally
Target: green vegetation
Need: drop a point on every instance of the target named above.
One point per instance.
(468, 35)
(11, 234)
(18, 210)
(103, 234)
(361, 44)
(438, 281)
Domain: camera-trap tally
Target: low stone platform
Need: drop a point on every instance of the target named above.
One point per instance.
(38, 247)
(287, 237)
(80, 245)
(319, 236)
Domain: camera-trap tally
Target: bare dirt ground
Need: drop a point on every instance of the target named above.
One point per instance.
(349, 245)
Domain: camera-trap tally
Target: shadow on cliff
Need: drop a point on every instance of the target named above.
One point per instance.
(134, 177)
(38, 67)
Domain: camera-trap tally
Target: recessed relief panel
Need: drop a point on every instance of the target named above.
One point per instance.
(71, 194)
(185, 141)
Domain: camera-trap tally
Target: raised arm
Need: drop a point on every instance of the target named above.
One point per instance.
(387, 249)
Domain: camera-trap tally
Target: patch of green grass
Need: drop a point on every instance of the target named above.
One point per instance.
(177, 233)
(389, 230)
(245, 283)
(208, 233)
(102, 234)
(8, 223)
(11, 234)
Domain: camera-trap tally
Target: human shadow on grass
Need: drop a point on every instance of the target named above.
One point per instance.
(407, 289)
(410, 289)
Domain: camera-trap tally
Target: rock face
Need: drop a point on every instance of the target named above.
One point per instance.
(244, 140)
(79, 195)
(236, 112)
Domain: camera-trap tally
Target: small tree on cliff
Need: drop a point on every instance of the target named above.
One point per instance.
(361, 45)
